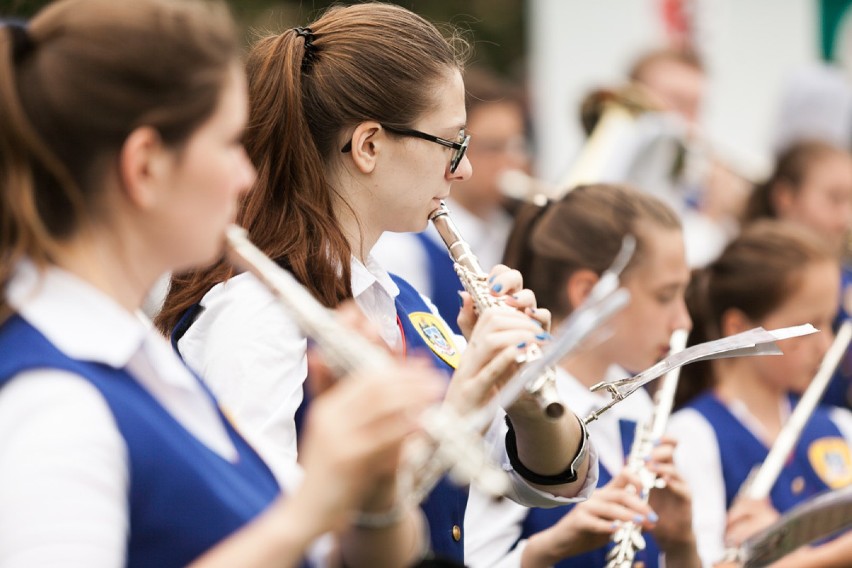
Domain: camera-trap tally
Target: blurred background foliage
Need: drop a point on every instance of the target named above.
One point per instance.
(495, 28)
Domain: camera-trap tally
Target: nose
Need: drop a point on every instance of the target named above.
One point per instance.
(248, 174)
(681, 319)
(463, 171)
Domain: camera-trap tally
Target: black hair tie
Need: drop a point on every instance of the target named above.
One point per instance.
(310, 49)
(22, 41)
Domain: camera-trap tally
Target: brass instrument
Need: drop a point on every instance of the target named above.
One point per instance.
(454, 444)
(475, 281)
(628, 537)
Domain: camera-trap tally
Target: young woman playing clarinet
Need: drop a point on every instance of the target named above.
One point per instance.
(773, 275)
(356, 127)
(563, 248)
(121, 159)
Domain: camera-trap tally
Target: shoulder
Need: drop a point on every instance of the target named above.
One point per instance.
(842, 418)
(51, 407)
(240, 316)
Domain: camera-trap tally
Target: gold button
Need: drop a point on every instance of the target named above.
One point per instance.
(456, 533)
(798, 485)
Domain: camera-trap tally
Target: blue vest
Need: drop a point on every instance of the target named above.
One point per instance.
(740, 451)
(183, 497)
(444, 283)
(538, 520)
(445, 506)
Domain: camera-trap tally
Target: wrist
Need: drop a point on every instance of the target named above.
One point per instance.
(543, 550)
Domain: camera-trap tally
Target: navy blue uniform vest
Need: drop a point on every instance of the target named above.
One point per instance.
(444, 283)
(538, 520)
(183, 497)
(740, 451)
(445, 506)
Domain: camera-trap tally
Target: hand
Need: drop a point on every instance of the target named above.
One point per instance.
(354, 434)
(591, 523)
(497, 341)
(748, 517)
(509, 284)
(673, 502)
(320, 376)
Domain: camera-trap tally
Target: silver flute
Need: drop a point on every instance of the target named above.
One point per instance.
(475, 281)
(453, 446)
(627, 538)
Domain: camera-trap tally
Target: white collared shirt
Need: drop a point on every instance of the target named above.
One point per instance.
(63, 462)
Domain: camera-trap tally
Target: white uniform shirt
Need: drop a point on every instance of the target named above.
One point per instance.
(494, 526)
(63, 462)
(698, 461)
(253, 357)
(404, 255)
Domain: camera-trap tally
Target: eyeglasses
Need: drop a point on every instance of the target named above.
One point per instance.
(460, 147)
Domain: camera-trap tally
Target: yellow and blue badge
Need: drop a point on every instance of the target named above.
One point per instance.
(831, 459)
(437, 336)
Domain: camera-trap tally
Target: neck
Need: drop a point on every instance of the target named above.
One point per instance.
(112, 262)
(738, 381)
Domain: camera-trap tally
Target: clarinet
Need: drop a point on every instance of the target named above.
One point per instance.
(475, 281)
(628, 539)
(452, 445)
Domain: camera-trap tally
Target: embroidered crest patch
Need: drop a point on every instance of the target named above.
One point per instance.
(831, 459)
(437, 336)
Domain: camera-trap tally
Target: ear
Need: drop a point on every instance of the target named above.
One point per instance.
(734, 321)
(783, 199)
(142, 166)
(365, 146)
(579, 286)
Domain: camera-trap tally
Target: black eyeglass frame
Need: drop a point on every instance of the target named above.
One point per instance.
(459, 147)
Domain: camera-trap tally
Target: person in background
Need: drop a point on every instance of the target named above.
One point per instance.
(773, 275)
(811, 186)
(120, 160)
(351, 140)
(710, 194)
(563, 248)
(497, 123)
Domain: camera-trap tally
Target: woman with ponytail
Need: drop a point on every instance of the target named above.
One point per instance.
(773, 275)
(562, 249)
(357, 127)
(121, 159)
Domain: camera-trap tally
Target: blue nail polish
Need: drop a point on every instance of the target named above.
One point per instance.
(522, 344)
(490, 280)
(497, 287)
(653, 517)
(638, 519)
(543, 336)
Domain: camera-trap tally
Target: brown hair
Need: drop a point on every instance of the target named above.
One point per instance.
(368, 61)
(755, 274)
(584, 229)
(791, 168)
(76, 82)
